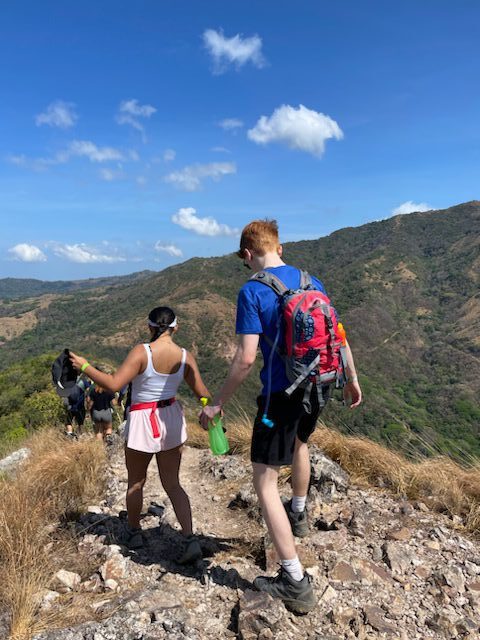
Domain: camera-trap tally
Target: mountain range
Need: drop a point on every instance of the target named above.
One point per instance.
(406, 288)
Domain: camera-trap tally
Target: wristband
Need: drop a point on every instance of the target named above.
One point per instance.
(204, 401)
(84, 366)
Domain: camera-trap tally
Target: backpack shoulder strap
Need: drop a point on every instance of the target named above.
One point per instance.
(271, 281)
(305, 279)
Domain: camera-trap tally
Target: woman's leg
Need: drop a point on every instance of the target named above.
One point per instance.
(168, 463)
(137, 465)
(98, 429)
(107, 429)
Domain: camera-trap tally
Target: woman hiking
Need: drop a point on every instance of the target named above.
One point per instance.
(155, 423)
(99, 403)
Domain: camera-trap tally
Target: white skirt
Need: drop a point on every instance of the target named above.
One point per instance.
(171, 432)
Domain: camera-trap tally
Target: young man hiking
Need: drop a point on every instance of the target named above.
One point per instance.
(284, 422)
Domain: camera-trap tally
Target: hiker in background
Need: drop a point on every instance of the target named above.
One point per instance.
(99, 403)
(286, 415)
(156, 422)
(74, 405)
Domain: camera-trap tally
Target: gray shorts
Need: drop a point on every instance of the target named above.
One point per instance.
(102, 415)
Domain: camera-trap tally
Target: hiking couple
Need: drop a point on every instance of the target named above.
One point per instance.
(288, 406)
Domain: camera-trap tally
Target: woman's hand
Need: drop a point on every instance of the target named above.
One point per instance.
(77, 361)
(207, 414)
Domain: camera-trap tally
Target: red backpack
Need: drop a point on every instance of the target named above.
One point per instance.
(313, 349)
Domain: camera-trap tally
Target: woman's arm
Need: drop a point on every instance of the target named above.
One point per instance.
(194, 379)
(130, 367)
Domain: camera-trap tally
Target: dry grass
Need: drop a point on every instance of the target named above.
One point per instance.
(59, 478)
(442, 484)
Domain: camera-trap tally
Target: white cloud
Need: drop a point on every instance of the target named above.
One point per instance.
(411, 207)
(110, 175)
(171, 249)
(169, 155)
(27, 253)
(187, 219)
(220, 150)
(84, 254)
(130, 112)
(301, 128)
(190, 178)
(87, 149)
(236, 50)
(58, 114)
(230, 124)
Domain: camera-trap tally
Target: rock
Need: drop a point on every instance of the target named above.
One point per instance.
(120, 626)
(433, 545)
(345, 617)
(400, 535)
(328, 595)
(397, 557)
(115, 568)
(226, 467)
(375, 617)
(93, 584)
(94, 509)
(343, 573)
(156, 509)
(327, 477)
(14, 459)
(247, 499)
(257, 612)
(111, 584)
(329, 540)
(451, 576)
(333, 516)
(370, 573)
(421, 506)
(69, 580)
(48, 599)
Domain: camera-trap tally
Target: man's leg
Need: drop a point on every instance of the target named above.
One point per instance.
(300, 475)
(290, 584)
(265, 481)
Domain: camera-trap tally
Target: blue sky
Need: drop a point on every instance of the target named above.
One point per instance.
(135, 135)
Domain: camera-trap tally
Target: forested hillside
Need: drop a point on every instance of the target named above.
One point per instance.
(407, 289)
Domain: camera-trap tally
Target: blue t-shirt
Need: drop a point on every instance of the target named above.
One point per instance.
(258, 310)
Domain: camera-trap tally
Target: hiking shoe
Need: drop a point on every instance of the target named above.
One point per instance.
(297, 595)
(70, 435)
(134, 538)
(109, 440)
(298, 520)
(192, 552)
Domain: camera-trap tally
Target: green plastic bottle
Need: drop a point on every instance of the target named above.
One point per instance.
(217, 438)
(216, 435)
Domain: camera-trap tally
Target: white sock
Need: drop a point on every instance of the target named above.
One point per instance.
(293, 567)
(298, 503)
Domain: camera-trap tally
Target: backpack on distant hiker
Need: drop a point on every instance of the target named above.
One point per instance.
(64, 376)
(314, 347)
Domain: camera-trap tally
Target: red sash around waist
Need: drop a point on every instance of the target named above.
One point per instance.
(153, 413)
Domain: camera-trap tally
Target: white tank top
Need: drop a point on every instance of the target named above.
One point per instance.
(151, 385)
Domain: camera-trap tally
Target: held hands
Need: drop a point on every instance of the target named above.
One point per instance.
(207, 414)
(352, 394)
(77, 361)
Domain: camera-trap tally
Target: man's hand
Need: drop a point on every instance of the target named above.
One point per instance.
(352, 394)
(207, 414)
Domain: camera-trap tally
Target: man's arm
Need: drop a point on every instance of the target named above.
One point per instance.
(351, 392)
(240, 368)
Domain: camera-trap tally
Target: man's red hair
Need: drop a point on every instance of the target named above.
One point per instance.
(259, 237)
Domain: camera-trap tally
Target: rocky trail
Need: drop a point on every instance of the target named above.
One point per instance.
(382, 567)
